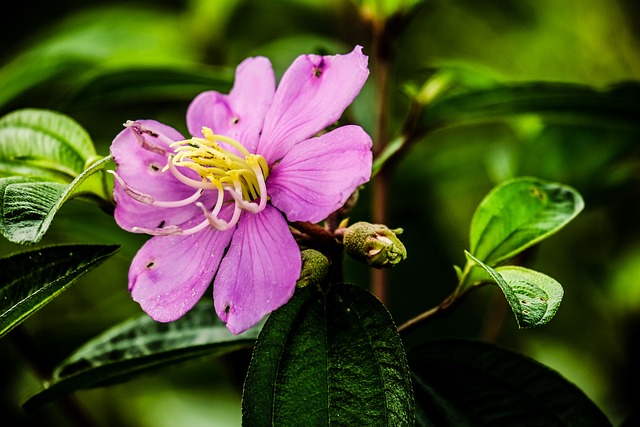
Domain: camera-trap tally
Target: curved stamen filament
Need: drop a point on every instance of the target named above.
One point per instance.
(140, 129)
(147, 199)
(165, 231)
(220, 224)
(172, 230)
(210, 136)
(185, 180)
(238, 172)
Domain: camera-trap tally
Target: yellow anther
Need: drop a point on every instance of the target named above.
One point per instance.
(243, 176)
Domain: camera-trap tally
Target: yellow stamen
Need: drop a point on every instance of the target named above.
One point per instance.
(242, 176)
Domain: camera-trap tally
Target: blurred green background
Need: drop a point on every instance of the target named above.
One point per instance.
(104, 62)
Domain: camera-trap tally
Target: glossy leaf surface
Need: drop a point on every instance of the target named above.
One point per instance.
(44, 144)
(142, 345)
(29, 280)
(27, 206)
(572, 103)
(518, 214)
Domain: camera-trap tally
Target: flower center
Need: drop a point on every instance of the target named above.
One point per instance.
(239, 174)
(220, 168)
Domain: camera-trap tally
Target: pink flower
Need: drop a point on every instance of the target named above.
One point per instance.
(214, 203)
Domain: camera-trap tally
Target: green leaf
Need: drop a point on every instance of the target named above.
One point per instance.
(461, 383)
(114, 86)
(333, 359)
(28, 206)
(29, 280)
(139, 346)
(539, 295)
(43, 144)
(572, 103)
(87, 40)
(534, 297)
(518, 214)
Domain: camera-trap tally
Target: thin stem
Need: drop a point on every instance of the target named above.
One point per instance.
(381, 58)
(432, 313)
(462, 289)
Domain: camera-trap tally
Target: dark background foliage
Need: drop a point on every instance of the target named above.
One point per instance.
(105, 62)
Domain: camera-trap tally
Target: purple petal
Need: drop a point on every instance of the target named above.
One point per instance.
(259, 272)
(140, 152)
(313, 93)
(318, 175)
(240, 114)
(169, 274)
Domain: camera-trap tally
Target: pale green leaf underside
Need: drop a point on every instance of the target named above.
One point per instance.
(142, 345)
(28, 206)
(29, 280)
(534, 297)
(518, 214)
(538, 295)
(43, 143)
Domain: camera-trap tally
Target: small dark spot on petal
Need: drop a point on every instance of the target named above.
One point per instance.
(151, 264)
(162, 223)
(154, 167)
(234, 120)
(227, 308)
(319, 68)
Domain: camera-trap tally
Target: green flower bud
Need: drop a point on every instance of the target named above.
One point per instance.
(315, 268)
(374, 244)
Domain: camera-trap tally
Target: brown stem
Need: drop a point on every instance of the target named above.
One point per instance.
(382, 59)
(314, 235)
(444, 307)
(323, 240)
(429, 314)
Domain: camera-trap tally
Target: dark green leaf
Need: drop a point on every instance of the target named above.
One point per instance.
(88, 40)
(29, 280)
(534, 297)
(632, 419)
(472, 384)
(333, 359)
(112, 87)
(518, 214)
(618, 107)
(43, 144)
(27, 207)
(142, 345)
